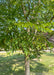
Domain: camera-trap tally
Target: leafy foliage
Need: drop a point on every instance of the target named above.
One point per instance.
(22, 24)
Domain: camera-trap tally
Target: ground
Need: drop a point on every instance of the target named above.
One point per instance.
(14, 64)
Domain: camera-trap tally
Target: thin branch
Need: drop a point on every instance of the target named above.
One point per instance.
(39, 1)
(24, 11)
(28, 11)
(51, 18)
(23, 8)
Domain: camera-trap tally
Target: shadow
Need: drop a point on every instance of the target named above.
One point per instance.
(12, 65)
(39, 69)
(49, 54)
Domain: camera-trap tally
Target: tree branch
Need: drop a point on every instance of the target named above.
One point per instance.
(24, 11)
(39, 1)
(52, 18)
(28, 11)
(23, 8)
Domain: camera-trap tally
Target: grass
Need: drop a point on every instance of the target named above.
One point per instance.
(14, 64)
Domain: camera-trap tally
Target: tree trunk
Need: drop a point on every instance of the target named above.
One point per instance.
(27, 66)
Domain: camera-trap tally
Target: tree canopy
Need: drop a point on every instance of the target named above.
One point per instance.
(29, 13)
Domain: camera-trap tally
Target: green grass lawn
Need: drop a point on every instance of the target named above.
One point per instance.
(14, 64)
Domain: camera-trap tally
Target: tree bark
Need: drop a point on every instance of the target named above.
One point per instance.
(27, 66)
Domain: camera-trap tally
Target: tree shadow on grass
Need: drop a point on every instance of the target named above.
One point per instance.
(12, 65)
(49, 54)
(38, 69)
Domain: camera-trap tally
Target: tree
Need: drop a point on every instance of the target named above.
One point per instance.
(23, 24)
